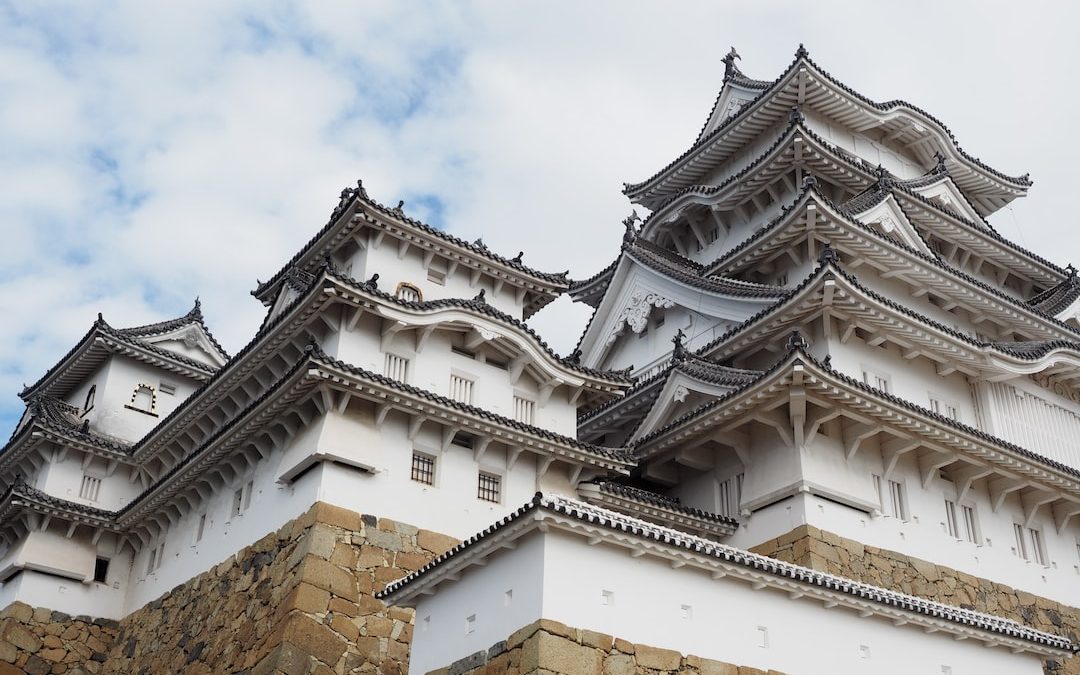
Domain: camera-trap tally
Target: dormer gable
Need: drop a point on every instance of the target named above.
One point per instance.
(887, 217)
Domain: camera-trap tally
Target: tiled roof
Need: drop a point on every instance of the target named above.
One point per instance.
(797, 353)
(689, 272)
(20, 491)
(802, 58)
(124, 336)
(618, 455)
(478, 304)
(597, 516)
(194, 316)
(54, 414)
(359, 195)
(807, 192)
(693, 365)
(662, 501)
(1056, 300)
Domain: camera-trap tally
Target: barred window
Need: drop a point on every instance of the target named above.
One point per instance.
(423, 468)
(489, 487)
(397, 367)
(524, 410)
(91, 488)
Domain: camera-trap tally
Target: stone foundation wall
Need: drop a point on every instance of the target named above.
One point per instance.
(824, 551)
(549, 648)
(298, 601)
(40, 641)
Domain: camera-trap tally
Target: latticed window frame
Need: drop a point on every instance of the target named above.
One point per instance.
(489, 487)
(422, 469)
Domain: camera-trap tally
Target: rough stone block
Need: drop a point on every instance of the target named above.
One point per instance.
(660, 659)
(18, 635)
(322, 574)
(435, 542)
(336, 516)
(313, 638)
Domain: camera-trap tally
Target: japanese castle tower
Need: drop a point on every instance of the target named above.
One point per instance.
(824, 419)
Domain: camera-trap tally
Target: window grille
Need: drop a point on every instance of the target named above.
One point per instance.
(242, 498)
(91, 488)
(876, 380)
(397, 367)
(944, 409)
(524, 410)
(437, 277)
(423, 468)
(461, 389)
(409, 293)
(971, 529)
(488, 487)
(950, 519)
(897, 503)
(730, 496)
(1021, 542)
(1038, 554)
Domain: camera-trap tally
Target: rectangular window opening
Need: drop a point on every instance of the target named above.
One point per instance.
(423, 468)
(396, 368)
(90, 488)
(950, 519)
(489, 487)
(524, 410)
(101, 570)
(461, 389)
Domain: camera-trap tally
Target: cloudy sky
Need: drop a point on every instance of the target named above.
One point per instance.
(153, 152)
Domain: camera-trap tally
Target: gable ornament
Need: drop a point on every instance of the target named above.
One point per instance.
(636, 313)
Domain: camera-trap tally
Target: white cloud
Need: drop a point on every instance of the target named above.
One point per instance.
(155, 152)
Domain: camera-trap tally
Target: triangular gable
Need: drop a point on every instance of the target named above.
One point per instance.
(946, 194)
(890, 219)
(680, 395)
(636, 291)
(191, 341)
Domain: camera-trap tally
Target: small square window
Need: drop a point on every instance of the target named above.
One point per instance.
(436, 277)
(489, 487)
(167, 388)
(423, 468)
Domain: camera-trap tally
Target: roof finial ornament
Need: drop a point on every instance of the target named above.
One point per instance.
(827, 361)
(883, 179)
(346, 193)
(809, 181)
(575, 357)
(373, 282)
(828, 255)
(400, 208)
(1071, 270)
(480, 297)
(100, 318)
(628, 223)
(518, 257)
(796, 341)
(940, 168)
(796, 115)
(729, 63)
(801, 52)
(678, 355)
(360, 190)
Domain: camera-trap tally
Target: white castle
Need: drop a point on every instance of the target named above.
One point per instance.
(815, 330)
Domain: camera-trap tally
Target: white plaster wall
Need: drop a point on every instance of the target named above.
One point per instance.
(450, 506)
(64, 479)
(897, 160)
(442, 633)
(272, 505)
(924, 535)
(392, 270)
(431, 368)
(122, 376)
(647, 606)
(686, 610)
(54, 571)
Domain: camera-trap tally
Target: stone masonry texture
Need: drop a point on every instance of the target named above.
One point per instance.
(826, 552)
(39, 641)
(550, 648)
